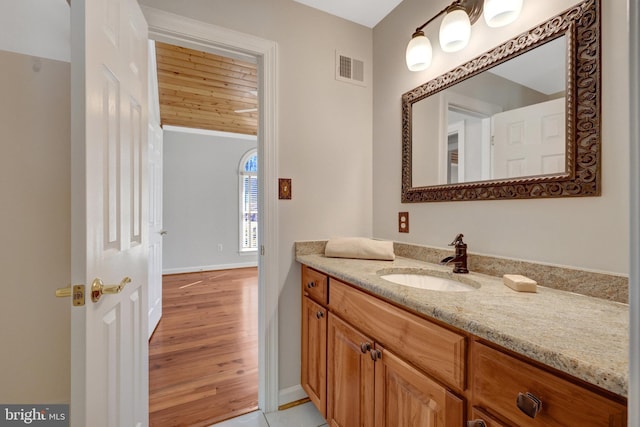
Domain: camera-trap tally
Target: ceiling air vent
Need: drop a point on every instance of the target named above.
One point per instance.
(349, 69)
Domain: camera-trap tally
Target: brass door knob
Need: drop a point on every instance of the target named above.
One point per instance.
(98, 288)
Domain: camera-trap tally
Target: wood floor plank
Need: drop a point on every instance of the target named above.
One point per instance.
(203, 356)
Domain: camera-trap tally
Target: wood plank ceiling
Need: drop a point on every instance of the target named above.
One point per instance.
(205, 91)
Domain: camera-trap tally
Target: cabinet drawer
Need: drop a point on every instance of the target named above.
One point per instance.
(432, 348)
(499, 377)
(489, 421)
(314, 284)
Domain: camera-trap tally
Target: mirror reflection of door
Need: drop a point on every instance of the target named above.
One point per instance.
(529, 140)
(455, 153)
(468, 146)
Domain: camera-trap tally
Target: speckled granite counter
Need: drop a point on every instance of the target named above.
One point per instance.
(583, 336)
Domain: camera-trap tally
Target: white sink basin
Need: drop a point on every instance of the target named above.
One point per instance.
(432, 283)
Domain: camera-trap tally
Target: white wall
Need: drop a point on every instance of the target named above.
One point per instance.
(23, 24)
(35, 229)
(201, 202)
(324, 134)
(589, 233)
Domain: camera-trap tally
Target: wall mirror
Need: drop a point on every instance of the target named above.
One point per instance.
(520, 121)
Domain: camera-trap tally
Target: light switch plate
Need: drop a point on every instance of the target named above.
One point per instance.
(403, 222)
(284, 188)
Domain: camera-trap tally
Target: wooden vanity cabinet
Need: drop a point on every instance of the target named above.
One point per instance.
(369, 385)
(369, 363)
(314, 337)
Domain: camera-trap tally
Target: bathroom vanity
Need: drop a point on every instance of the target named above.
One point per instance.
(376, 353)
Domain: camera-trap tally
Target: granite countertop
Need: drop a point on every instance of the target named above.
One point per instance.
(583, 336)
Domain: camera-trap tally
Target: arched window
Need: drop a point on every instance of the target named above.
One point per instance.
(248, 172)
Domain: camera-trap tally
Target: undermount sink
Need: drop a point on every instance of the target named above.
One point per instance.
(425, 281)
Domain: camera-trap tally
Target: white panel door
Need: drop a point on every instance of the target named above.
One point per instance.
(529, 140)
(155, 197)
(109, 354)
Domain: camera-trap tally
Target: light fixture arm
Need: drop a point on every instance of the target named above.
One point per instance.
(473, 8)
(455, 28)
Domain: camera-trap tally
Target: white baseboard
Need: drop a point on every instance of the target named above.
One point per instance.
(196, 269)
(291, 394)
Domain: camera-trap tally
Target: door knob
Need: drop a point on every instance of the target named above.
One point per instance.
(162, 232)
(98, 288)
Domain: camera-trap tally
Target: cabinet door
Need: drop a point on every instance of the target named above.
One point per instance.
(406, 397)
(314, 353)
(351, 374)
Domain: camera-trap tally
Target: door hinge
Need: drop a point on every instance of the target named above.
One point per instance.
(261, 249)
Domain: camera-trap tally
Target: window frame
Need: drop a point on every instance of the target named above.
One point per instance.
(242, 174)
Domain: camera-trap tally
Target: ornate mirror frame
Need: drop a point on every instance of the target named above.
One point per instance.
(581, 25)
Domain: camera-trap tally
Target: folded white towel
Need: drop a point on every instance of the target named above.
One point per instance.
(359, 247)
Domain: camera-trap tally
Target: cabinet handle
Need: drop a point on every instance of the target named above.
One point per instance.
(476, 423)
(319, 315)
(311, 285)
(365, 346)
(529, 404)
(375, 354)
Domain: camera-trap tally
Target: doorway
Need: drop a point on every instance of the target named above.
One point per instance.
(178, 30)
(208, 108)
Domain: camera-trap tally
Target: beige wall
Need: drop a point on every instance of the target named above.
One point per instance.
(589, 233)
(34, 229)
(324, 134)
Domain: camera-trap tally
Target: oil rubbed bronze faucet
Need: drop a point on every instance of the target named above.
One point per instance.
(459, 260)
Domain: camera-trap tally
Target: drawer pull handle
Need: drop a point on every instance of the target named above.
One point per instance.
(476, 423)
(311, 285)
(375, 354)
(365, 346)
(319, 315)
(529, 404)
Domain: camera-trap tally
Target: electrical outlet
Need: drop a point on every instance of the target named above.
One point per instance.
(403, 222)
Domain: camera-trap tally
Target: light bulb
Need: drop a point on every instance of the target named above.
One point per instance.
(419, 52)
(498, 13)
(455, 31)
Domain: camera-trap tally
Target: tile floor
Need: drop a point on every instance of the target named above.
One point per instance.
(305, 415)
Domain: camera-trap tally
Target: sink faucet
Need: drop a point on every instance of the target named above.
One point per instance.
(459, 260)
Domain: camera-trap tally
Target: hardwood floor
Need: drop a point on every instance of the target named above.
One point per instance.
(203, 356)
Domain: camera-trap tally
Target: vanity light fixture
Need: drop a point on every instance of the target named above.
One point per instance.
(455, 29)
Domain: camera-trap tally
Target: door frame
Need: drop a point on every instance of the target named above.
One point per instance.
(179, 30)
(634, 238)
